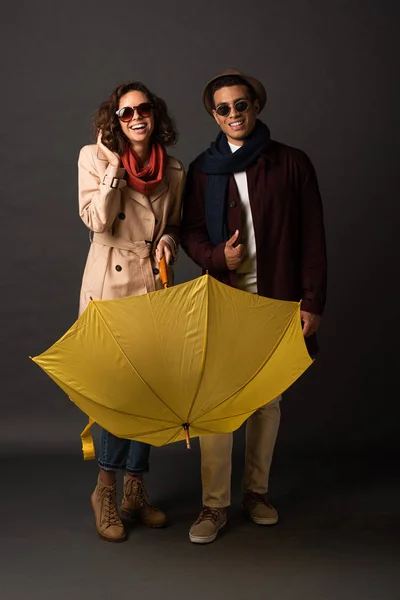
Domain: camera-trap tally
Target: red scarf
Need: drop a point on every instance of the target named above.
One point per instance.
(145, 179)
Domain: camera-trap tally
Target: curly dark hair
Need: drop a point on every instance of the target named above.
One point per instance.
(105, 119)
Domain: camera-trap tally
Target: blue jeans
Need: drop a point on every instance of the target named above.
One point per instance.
(118, 453)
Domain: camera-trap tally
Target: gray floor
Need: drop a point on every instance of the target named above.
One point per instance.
(338, 535)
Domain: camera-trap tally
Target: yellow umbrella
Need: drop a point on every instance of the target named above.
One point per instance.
(193, 359)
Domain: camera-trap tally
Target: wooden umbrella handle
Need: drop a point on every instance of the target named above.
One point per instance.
(187, 435)
(163, 272)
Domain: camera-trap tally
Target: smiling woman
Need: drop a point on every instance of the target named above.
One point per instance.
(130, 193)
(136, 119)
(113, 124)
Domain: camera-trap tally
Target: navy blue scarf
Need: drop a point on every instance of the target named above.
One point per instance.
(219, 162)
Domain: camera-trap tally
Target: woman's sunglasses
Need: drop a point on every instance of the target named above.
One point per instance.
(241, 106)
(127, 113)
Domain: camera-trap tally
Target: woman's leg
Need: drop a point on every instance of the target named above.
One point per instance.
(113, 455)
(137, 463)
(135, 503)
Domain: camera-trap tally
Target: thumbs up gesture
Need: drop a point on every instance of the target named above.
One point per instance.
(233, 254)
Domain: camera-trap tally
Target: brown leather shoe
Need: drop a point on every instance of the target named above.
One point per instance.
(207, 526)
(136, 505)
(104, 504)
(259, 509)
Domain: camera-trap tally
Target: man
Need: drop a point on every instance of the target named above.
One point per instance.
(252, 218)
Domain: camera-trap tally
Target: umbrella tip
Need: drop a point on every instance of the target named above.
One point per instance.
(187, 436)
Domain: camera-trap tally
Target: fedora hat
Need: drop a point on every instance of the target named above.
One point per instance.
(257, 86)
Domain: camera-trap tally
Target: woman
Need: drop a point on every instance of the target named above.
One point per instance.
(130, 198)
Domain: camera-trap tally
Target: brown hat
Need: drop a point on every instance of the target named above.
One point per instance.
(258, 88)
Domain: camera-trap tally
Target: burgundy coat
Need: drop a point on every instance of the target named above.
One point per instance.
(288, 225)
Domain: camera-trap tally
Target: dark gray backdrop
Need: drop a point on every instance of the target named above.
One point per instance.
(332, 79)
(331, 74)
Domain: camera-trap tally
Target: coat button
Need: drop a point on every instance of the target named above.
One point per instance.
(232, 204)
(156, 271)
(156, 221)
(118, 268)
(121, 216)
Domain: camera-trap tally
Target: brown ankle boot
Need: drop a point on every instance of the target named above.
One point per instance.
(104, 504)
(135, 504)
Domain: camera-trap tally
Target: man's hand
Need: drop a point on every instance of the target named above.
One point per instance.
(112, 157)
(233, 256)
(311, 322)
(163, 249)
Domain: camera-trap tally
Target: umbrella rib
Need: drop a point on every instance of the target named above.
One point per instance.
(154, 431)
(231, 416)
(204, 353)
(172, 438)
(120, 412)
(295, 315)
(169, 441)
(132, 366)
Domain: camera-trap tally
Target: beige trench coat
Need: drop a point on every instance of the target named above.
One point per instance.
(125, 226)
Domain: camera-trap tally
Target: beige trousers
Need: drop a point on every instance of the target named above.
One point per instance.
(216, 457)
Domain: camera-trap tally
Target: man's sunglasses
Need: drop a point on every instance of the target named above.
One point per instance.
(127, 113)
(241, 106)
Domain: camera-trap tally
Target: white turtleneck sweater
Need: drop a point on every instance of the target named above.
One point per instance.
(247, 272)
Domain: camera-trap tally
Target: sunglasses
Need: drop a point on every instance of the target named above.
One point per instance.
(240, 106)
(127, 113)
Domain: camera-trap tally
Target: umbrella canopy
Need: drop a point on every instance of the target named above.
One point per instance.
(197, 358)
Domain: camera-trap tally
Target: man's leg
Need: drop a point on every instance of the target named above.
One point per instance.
(216, 468)
(261, 433)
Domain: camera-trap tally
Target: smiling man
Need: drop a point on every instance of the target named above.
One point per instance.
(252, 217)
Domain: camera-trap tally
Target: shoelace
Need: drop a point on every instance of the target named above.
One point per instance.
(255, 498)
(111, 512)
(209, 514)
(137, 488)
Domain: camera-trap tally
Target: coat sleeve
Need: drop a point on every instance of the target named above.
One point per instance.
(99, 197)
(194, 235)
(172, 230)
(313, 245)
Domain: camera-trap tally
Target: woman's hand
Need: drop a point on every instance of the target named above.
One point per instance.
(163, 249)
(112, 157)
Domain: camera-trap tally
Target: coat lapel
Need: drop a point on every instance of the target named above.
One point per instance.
(147, 201)
(137, 196)
(160, 190)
